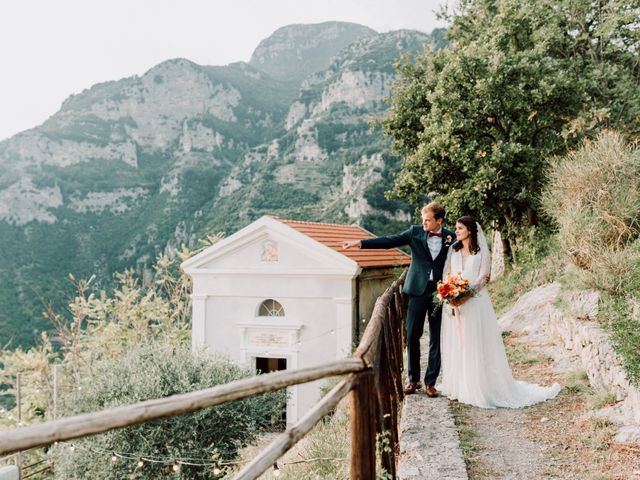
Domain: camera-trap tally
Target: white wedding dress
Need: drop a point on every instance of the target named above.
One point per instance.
(474, 363)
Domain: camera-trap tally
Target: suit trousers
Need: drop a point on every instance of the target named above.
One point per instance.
(419, 308)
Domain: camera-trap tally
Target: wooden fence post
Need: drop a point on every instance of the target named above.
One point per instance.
(363, 429)
(384, 395)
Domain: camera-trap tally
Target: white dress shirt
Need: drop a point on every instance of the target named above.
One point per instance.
(435, 245)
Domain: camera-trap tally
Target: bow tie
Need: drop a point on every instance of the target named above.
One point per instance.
(435, 234)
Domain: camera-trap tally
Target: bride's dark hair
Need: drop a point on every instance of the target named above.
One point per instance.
(472, 226)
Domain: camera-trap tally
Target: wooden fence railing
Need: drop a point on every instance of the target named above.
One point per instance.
(374, 383)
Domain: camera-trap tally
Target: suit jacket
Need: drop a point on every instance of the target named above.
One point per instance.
(422, 264)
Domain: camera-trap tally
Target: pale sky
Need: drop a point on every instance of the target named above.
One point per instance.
(50, 49)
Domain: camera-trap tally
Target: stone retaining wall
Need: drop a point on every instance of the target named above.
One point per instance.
(574, 328)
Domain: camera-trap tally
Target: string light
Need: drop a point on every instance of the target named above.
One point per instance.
(175, 464)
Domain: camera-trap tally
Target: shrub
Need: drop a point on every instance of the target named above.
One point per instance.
(155, 371)
(593, 195)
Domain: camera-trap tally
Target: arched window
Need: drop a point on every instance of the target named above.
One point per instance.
(271, 308)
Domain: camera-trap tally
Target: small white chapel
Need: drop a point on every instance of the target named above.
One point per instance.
(283, 294)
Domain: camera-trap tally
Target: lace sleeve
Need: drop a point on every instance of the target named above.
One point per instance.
(485, 261)
(447, 263)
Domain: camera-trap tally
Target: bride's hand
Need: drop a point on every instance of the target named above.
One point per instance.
(458, 302)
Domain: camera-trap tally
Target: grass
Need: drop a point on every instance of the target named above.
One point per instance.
(578, 382)
(602, 398)
(476, 469)
(599, 436)
(624, 325)
(519, 354)
(465, 432)
(328, 442)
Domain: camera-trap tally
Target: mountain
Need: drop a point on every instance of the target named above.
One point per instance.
(129, 169)
(294, 52)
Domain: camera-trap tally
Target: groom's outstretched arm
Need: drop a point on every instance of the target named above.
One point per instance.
(389, 241)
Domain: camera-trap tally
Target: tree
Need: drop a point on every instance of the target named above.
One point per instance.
(123, 346)
(521, 81)
(200, 440)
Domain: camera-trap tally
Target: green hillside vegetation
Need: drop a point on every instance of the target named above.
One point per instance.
(37, 257)
(123, 346)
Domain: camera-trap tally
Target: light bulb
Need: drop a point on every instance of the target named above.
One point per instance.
(140, 463)
(176, 467)
(216, 471)
(72, 448)
(114, 457)
(276, 470)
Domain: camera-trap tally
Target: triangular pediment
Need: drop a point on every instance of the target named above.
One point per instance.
(269, 246)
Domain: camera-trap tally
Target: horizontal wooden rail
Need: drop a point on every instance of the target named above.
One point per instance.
(68, 428)
(294, 434)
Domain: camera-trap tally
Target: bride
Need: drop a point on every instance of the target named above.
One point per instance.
(474, 363)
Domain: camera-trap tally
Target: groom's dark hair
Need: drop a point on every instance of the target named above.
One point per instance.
(435, 208)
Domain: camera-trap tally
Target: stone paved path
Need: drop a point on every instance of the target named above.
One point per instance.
(429, 442)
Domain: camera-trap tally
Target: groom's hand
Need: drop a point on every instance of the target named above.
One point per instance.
(349, 244)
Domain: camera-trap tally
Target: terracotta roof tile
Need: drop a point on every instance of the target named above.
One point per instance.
(332, 235)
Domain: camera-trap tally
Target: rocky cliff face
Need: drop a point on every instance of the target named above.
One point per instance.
(130, 169)
(294, 52)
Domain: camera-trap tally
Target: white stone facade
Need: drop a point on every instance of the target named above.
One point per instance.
(269, 260)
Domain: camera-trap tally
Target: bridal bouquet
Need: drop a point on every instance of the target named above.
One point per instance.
(453, 287)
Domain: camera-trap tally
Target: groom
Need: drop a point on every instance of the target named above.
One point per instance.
(429, 243)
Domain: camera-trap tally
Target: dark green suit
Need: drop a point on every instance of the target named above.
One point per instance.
(420, 291)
